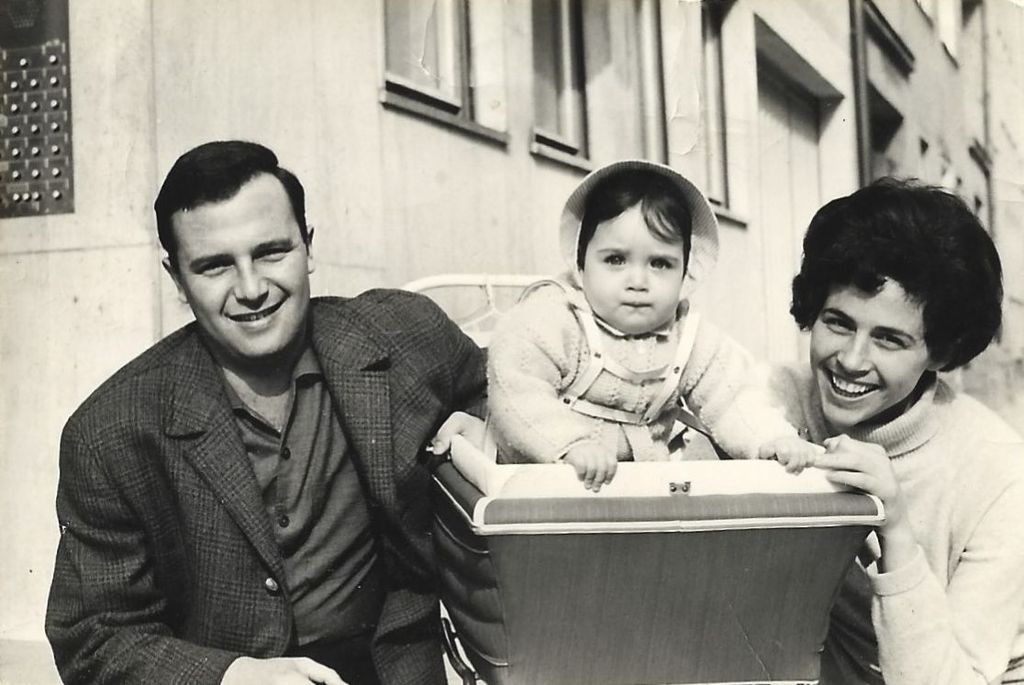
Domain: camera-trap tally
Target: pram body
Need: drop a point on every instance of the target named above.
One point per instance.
(678, 572)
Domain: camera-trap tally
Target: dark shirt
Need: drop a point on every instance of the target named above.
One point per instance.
(317, 508)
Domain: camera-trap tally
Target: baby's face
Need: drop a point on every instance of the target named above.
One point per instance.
(632, 278)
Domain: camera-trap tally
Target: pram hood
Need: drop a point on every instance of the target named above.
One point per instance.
(704, 230)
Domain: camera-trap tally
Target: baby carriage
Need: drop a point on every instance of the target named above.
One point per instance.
(676, 572)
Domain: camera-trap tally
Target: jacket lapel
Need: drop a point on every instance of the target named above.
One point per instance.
(356, 368)
(200, 420)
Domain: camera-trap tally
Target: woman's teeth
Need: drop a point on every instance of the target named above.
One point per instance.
(849, 388)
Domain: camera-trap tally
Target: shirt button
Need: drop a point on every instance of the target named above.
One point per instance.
(283, 520)
(271, 585)
(286, 453)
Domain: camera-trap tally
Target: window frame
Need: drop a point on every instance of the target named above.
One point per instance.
(401, 94)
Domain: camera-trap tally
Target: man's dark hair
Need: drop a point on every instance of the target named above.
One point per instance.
(214, 172)
(662, 205)
(924, 238)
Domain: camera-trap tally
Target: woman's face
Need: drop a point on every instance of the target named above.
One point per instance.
(867, 353)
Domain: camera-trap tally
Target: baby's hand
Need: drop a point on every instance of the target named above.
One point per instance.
(594, 466)
(792, 452)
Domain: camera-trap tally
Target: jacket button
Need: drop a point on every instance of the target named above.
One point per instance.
(272, 586)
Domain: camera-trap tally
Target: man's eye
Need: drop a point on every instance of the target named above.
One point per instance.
(274, 255)
(214, 269)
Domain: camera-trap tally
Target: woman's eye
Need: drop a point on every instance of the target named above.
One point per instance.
(837, 325)
(889, 342)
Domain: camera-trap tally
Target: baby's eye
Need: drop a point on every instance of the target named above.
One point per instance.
(660, 263)
(614, 259)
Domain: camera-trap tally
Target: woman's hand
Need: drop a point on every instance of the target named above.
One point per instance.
(866, 466)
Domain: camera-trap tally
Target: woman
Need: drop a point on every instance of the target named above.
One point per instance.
(899, 281)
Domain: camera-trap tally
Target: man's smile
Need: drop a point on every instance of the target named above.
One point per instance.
(250, 317)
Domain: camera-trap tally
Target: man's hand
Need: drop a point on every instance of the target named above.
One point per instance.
(792, 452)
(459, 423)
(246, 670)
(594, 466)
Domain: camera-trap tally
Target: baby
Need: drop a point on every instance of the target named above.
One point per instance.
(603, 364)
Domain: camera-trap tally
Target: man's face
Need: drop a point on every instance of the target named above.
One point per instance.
(244, 270)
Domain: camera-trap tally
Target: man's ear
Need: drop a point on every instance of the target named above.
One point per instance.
(172, 271)
(310, 264)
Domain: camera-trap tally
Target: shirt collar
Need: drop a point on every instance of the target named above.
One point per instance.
(306, 368)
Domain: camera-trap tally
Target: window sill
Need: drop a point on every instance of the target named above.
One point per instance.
(423, 110)
(549, 153)
(729, 217)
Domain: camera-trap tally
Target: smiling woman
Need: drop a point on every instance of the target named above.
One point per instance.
(899, 281)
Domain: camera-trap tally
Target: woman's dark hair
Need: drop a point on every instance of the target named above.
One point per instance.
(664, 209)
(214, 172)
(924, 238)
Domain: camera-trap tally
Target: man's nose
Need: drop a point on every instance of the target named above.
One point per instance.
(250, 286)
(855, 354)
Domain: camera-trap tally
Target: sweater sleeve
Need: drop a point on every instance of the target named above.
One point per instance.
(961, 633)
(729, 392)
(535, 352)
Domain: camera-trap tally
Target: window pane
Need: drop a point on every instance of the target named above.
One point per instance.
(424, 44)
(714, 106)
(615, 78)
(486, 31)
(558, 97)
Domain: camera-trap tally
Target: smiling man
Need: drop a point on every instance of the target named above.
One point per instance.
(246, 502)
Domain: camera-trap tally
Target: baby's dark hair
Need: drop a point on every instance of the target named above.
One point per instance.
(924, 238)
(664, 209)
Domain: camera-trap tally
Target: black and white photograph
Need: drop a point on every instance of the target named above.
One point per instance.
(512, 342)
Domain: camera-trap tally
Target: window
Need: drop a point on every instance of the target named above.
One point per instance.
(597, 79)
(714, 103)
(444, 60)
(558, 84)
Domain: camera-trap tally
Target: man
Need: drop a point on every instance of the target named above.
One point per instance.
(246, 502)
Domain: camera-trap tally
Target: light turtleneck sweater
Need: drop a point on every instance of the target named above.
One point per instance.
(538, 349)
(955, 614)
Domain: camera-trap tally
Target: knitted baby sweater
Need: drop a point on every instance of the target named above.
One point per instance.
(539, 348)
(956, 613)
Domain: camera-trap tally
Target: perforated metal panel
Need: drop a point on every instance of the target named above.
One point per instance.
(36, 171)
